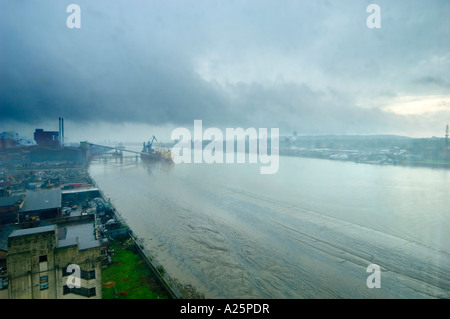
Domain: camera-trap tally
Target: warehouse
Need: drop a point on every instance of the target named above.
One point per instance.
(9, 207)
(43, 204)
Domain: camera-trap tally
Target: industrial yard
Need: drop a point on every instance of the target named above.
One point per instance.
(60, 201)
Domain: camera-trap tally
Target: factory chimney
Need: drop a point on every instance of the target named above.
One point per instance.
(60, 136)
(62, 130)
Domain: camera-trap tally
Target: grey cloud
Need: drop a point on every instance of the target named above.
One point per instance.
(135, 61)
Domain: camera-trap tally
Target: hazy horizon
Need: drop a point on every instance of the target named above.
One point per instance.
(138, 133)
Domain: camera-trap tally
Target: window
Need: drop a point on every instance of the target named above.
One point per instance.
(87, 275)
(44, 282)
(43, 265)
(3, 283)
(86, 292)
(65, 272)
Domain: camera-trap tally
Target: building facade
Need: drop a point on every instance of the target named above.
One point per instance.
(51, 262)
(47, 138)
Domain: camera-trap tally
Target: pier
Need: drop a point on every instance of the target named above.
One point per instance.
(116, 159)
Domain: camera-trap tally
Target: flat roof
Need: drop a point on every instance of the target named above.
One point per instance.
(41, 200)
(4, 234)
(11, 200)
(81, 233)
(32, 231)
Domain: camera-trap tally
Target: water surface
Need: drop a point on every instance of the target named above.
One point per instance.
(309, 231)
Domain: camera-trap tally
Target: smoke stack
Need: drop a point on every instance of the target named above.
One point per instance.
(62, 130)
(60, 136)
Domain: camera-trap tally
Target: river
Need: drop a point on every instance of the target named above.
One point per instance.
(308, 231)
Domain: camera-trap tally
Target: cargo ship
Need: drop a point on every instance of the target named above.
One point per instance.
(149, 154)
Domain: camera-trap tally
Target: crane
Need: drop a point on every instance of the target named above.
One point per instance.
(148, 148)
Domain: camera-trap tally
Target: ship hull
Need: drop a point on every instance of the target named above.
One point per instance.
(151, 157)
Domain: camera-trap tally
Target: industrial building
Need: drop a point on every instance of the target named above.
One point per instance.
(50, 138)
(9, 208)
(46, 138)
(8, 139)
(30, 205)
(41, 204)
(36, 262)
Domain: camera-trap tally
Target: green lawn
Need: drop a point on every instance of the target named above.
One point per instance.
(133, 279)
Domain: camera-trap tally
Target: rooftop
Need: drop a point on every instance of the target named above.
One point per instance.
(41, 200)
(81, 233)
(4, 234)
(32, 231)
(11, 200)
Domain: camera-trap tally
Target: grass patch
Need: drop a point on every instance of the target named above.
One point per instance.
(133, 278)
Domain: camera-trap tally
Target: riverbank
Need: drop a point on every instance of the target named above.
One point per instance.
(336, 156)
(77, 197)
(173, 288)
(128, 277)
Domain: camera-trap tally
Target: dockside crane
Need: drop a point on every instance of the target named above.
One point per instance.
(148, 148)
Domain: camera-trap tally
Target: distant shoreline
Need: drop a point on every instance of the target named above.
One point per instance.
(399, 163)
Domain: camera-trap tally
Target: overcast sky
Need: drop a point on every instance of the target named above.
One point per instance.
(138, 68)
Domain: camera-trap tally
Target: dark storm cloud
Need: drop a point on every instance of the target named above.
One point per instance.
(309, 111)
(48, 70)
(303, 65)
